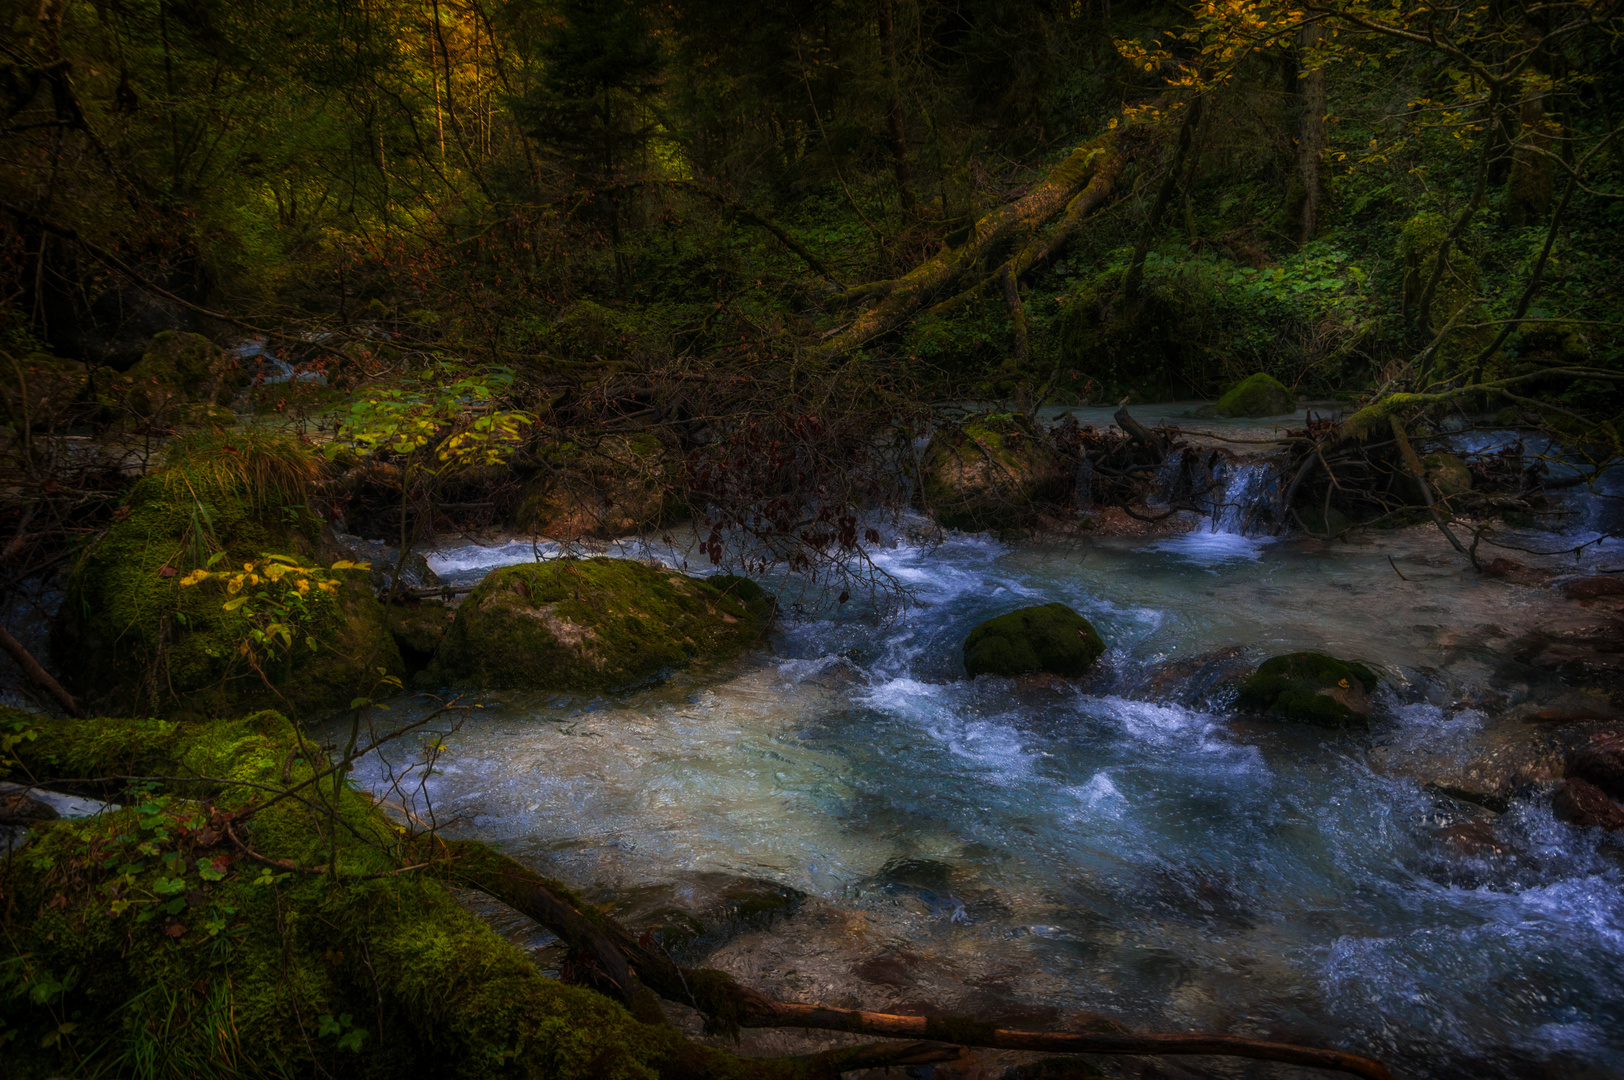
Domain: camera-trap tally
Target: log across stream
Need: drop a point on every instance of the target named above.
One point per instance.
(843, 819)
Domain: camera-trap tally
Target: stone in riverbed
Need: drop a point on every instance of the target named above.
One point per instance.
(1593, 588)
(1583, 804)
(1257, 395)
(594, 624)
(1312, 688)
(1601, 764)
(1050, 638)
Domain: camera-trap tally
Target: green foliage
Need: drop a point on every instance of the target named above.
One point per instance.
(1204, 322)
(442, 420)
(143, 943)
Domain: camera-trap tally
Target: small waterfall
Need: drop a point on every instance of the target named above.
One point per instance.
(270, 368)
(1237, 494)
(1245, 492)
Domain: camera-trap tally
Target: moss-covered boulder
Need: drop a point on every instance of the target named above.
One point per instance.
(617, 486)
(130, 634)
(1312, 688)
(1050, 638)
(1257, 395)
(147, 942)
(594, 624)
(178, 368)
(991, 471)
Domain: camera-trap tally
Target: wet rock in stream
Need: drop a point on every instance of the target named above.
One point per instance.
(1312, 688)
(1048, 638)
(1601, 763)
(1583, 804)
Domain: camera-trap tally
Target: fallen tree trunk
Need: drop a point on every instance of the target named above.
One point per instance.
(729, 1005)
(902, 297)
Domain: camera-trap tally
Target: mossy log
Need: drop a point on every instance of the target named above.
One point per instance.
(146, 939)
(1009, 225)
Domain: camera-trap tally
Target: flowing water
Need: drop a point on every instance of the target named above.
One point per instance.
(1032, 849)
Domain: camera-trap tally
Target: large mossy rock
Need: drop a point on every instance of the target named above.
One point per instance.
(1257, 395)
(618, 486)
(178, 955)
(1312, 688)
(177, 369)
(989, 472)
(595, 624)
(1051, 638)
(129, 634)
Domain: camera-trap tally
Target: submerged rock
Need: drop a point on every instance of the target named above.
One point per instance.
(1257, 395)
(990, 472)
(1050, 638)
(595, 624)
(1593, 588)
(1310, 687)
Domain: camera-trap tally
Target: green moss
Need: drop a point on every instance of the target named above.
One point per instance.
(129, 632)
(992, 470)
(593, 624)
(178, 367)
(1312, 688)
(1051, 638)
(1257, 395)
(179, 957)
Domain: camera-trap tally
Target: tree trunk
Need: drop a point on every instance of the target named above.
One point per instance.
(893, 108)
(1164, 195)
(1311, 136)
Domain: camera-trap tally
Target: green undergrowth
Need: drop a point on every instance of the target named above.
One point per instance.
(593, 624)
(129, 632)
(143, 943)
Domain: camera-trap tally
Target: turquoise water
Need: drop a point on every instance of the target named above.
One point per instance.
(1120, 845)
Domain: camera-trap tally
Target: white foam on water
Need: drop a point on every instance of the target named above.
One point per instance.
(1212, 549)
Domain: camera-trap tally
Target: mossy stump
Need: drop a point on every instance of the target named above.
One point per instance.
(1311, 688)
(1050, 638)
(595, 624)
(990, 472)
(1257, 395)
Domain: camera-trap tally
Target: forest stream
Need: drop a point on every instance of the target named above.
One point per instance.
(1028, 849)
